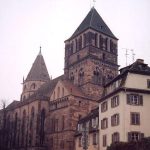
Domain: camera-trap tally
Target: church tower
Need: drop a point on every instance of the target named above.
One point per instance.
(37, 76)
(91, 55)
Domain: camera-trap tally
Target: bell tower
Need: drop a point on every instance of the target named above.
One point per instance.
(91, 55)
(37, 76)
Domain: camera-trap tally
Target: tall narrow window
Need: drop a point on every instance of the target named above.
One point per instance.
(62, 92)
(97, 76)
(115, 137)
(104, 140)
(72, 76)
(115, 101)
(104, 106)
(63, 122)
(95, 39)
(115, 120)
(104, 123)
(42, 121)
(135, 118)
(58, 92)
(95, 140)
(81, 76)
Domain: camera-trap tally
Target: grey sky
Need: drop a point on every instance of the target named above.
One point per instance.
(27, 24)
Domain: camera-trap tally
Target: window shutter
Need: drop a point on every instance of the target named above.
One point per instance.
(101, 124)
(128, 98)
(141, 99)
(106, 123)
(129, 136)
(111, 102)
(111, 120)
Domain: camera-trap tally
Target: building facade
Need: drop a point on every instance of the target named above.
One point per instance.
(124, 106)
(87, 133)
(47, 114)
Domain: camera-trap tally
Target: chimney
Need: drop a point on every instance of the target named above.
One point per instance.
(140, 61)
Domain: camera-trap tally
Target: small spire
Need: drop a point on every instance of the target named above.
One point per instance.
(40, 50)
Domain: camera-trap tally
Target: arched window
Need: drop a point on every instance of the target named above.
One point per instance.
(31, 127)
(81, 76)
(23, 129)
(72, 76)
(62, 92)
(58, 92)
(80, 43)
(33, 86)
(97, 76)
(42, 121)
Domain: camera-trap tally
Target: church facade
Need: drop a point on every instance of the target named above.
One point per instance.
(47, 114)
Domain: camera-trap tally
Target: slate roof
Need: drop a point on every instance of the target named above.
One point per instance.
(38, 70)
(94, 21)
(138, 67)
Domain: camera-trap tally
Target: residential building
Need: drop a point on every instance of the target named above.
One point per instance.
(87, 134)
(124, 106)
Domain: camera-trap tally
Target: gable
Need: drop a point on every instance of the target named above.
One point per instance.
(59, 91)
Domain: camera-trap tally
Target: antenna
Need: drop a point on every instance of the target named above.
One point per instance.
(133, 54)
(126, 55)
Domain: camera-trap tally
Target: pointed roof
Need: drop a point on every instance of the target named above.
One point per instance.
(94, 21)
(38, 71)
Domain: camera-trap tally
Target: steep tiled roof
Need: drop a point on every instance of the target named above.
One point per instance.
(38, 71)
(94, 21)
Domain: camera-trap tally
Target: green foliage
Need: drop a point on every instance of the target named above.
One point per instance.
(144, 144)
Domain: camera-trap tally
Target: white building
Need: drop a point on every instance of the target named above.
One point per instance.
(124, 109)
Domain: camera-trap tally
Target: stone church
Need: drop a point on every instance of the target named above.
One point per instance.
(46, 116)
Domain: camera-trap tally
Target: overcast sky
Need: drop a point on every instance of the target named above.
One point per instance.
(25, 25)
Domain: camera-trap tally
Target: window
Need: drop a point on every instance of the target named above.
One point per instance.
(63, 122)
(33, 86)
(115, 101)
(62, 92)
(104, 140)
(104, 123)
(135, 118)
(58, 92)
(81, 76)
(95, 122)
(80, 141)
(104, 106)
(148, 83)
(135, 136)
(115, 120)
(95, 140)
(115, 137)
(71, 76)
(134, 99)
(97, 76)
